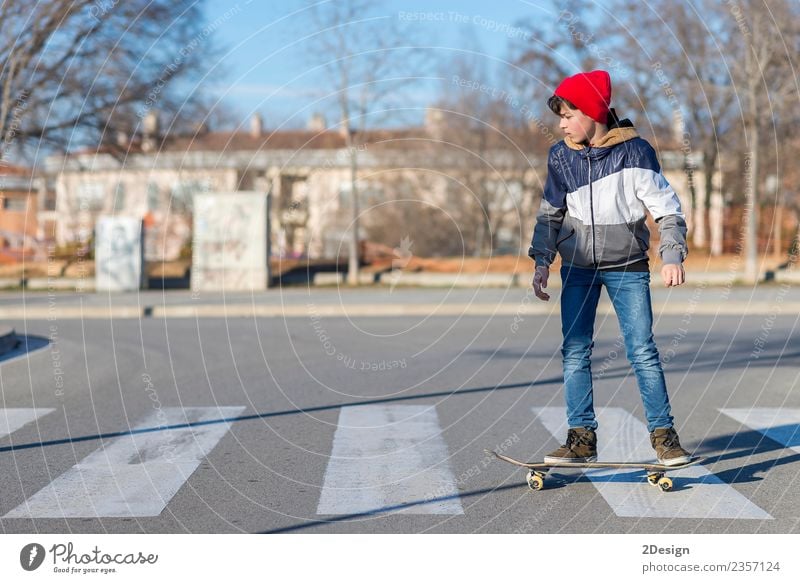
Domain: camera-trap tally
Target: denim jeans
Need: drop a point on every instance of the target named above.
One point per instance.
(630, 294)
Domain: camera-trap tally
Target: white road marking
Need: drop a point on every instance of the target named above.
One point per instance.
(778, 423)
(135, 475)
(13, 419)
(621, 437)
(389, 458)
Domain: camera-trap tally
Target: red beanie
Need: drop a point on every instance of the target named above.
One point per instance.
(589, 92)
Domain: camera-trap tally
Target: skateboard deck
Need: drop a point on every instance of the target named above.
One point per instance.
(655, 471)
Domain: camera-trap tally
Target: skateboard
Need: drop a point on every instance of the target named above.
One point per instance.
(656, 473)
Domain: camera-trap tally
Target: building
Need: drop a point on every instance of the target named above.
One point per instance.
(471, 183)
(24, 225)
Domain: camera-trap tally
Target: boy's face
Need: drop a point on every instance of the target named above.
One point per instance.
(575, 124)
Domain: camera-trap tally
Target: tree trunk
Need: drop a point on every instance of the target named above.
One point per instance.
(352, 265)
(777, 231)
(699, 239)
(751, 171)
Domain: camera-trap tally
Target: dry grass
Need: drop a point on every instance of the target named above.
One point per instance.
(696, 262)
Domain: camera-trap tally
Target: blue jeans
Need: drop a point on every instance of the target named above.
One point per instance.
(630, 294)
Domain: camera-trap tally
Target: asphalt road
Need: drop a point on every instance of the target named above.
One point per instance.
(378, 424)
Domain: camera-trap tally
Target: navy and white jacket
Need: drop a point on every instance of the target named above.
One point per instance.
(594, 204)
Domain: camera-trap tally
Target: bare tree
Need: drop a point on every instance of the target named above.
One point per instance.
(688, 89)
(80, 72)
(724, 109)
(483, 133)
(723, 72)
(670, 75)
(554, 47)
(410, 224)
(368, 63)
(766, 70)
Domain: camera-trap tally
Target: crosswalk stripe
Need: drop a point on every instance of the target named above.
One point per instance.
(622, 437)
(136, 474)
(389, 458)
(13, 419)
(778, 423)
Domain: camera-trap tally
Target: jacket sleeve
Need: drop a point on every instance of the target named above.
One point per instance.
(663, 203)
(549, 217)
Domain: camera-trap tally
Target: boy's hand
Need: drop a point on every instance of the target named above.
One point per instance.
(673, 274)
(540, 276)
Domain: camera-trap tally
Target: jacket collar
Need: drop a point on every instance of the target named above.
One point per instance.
(620, 132)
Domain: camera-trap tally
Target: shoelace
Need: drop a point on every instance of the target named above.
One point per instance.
(670, 441)
(577, 439)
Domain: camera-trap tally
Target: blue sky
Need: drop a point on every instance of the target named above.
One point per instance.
(265, 66)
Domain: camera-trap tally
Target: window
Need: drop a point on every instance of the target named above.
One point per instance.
(50, 200)
(91, 196)
(15, 203)
(182, 195)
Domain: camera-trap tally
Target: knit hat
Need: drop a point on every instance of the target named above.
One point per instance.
(589, 92)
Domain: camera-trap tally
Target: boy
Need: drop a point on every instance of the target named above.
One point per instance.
(600, 181)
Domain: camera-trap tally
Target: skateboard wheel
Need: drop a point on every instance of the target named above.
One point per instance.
(653, 479)
(665, 484)
(535, 481)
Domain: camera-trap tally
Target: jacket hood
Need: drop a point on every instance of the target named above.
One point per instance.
(621, 131)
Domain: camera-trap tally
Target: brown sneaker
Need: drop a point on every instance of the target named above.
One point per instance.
(581, 447)
(668, 448)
